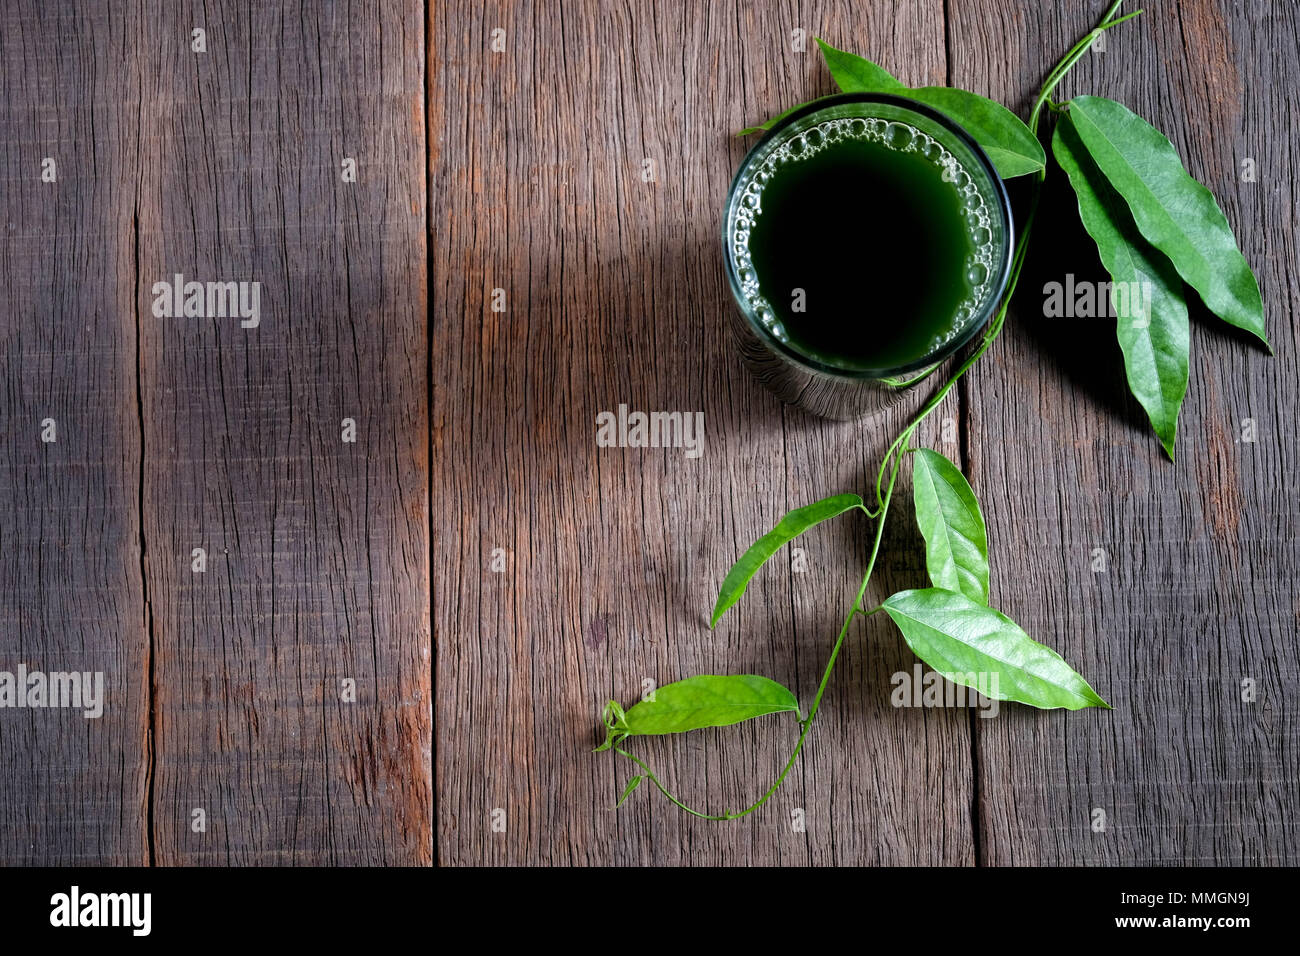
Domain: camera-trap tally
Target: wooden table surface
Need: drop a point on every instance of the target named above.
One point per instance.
(399, 646)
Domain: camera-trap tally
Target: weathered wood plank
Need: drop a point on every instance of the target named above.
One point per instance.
(316, 548)
(1201, 557)
(226, 165)
(884, 785)
(613, 293)
(73, 790)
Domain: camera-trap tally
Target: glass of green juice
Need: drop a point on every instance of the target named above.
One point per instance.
(867, 238)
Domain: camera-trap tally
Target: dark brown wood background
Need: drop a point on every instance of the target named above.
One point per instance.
(615, 293)
(224, 688)
(521, 170)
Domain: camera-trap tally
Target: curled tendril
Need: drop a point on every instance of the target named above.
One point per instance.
(615, 720)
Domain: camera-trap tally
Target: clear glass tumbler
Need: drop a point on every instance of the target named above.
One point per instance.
(815, 383)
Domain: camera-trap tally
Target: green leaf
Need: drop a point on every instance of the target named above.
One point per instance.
(1172, 210)
(631, 785)
(709, 701)
(973, 645)
(791, 526)
(1014, 150)
(763, 127)
(956, 543)
(1154, 342)
(853, 74)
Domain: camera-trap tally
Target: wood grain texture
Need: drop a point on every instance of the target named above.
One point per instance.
(72, 790)
(565, 574)
(317, 549)
(225, 688)
(614, 294)
(1201, 556)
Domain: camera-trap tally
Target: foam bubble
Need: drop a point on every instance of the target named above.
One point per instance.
(893, 135)
(899, 136)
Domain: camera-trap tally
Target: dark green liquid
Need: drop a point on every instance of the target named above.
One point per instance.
(880, 245)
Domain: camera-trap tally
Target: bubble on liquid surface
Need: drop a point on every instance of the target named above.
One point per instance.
(896, 136)
(899, 136)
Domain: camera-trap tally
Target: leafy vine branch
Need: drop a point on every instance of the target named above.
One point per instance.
(1152, 223)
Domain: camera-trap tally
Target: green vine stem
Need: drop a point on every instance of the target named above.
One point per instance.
(894, 456)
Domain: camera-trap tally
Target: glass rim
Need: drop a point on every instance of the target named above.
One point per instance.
(935, 356)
